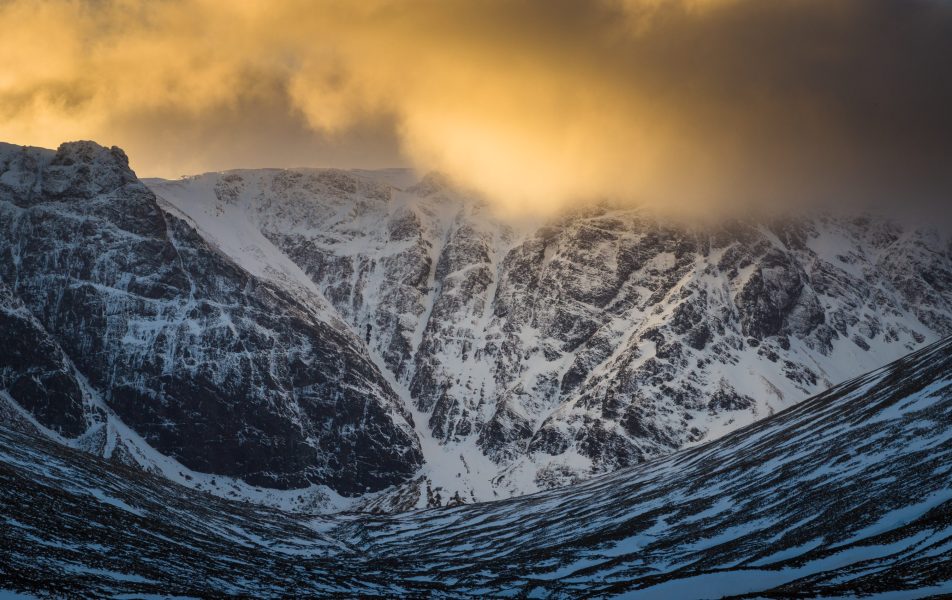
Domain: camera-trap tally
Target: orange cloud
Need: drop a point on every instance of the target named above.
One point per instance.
(537, 105)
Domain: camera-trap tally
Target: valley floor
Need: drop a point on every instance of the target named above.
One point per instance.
(847, 494)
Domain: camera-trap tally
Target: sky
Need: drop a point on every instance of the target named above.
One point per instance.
(537, 104)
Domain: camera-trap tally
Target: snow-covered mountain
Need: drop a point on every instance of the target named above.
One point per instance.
(301, 337)
(535, 354)
(847, 494)
(126, 333)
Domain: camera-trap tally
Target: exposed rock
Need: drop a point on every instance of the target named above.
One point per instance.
(223, 371)
(602, 337)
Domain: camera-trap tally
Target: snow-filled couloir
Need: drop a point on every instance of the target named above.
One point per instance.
(535, 354)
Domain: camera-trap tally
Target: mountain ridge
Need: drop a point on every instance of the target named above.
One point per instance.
(495, 357)
(545, 352)
(210, 365)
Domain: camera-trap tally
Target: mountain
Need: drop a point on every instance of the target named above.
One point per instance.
(127, 334)
(848, 493)
(323, 339)
(537, 353)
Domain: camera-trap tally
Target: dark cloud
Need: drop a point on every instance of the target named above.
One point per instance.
(704, 104)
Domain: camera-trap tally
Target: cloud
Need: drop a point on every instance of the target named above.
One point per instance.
(700, 104)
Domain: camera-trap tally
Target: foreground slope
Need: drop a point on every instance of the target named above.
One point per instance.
(536, 354)
(847, 493)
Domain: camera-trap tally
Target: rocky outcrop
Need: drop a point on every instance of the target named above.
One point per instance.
(35, 372)
(225, 372)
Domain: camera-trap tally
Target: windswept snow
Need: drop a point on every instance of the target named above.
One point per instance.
(848, 493)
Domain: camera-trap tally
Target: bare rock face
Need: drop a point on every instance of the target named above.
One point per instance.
(35, 372)
(219, 369)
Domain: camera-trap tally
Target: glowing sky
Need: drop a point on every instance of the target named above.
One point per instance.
(534, 103)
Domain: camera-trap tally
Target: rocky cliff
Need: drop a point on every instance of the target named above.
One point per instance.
(533, 354)
(370, 331)
(112, 308)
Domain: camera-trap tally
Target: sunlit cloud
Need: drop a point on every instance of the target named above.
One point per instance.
(695, 103)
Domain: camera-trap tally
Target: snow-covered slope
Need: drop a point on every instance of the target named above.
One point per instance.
(534, 355)
(848, 493)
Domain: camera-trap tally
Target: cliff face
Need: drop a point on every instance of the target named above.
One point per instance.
(221, 370)
(535, 354)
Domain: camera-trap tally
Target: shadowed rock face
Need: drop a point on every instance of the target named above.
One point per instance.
(36, 373)
(223, 371)
(848, 493)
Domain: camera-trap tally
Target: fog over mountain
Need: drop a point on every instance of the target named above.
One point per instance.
(364, 339)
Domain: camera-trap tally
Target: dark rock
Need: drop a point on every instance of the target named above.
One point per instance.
(224, 372)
